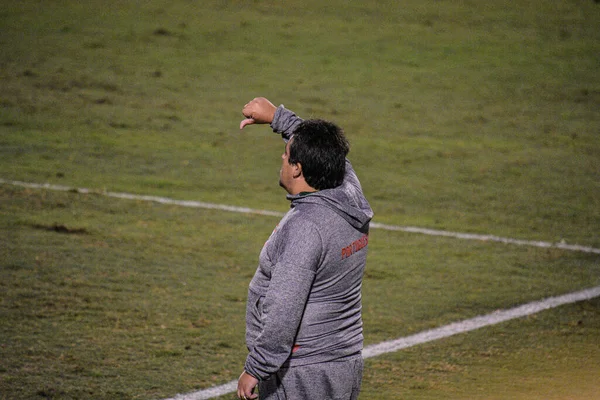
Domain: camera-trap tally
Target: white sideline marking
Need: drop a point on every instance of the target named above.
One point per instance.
(156, 199)
(431, 335)
(486, 238)
(245, 210)
(209, 393)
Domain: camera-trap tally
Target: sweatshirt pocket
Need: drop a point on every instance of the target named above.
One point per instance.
(259, 306)
(255, 307)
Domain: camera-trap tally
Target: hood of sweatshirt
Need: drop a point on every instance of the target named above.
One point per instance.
(346, 200)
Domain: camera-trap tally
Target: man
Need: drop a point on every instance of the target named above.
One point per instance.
(303, 315)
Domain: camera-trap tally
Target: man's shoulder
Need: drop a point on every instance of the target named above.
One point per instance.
(303, 214)
(319, 216)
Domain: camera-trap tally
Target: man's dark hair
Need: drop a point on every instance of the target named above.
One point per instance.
(321, 148)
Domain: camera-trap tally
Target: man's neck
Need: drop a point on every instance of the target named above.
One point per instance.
(300, 186)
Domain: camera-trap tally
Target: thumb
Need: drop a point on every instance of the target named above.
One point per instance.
(247, 121)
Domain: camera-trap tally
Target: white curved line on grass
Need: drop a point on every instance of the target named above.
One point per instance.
(467, 325)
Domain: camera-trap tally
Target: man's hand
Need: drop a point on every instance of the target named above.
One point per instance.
(246, 385)
(258, 111)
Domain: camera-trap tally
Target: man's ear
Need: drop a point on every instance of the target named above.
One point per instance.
(297, 170)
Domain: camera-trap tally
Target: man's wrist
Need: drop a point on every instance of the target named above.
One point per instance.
(250, 375)
(248, 369)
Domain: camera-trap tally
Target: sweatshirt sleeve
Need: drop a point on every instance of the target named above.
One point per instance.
(285, 122)
(283, 307)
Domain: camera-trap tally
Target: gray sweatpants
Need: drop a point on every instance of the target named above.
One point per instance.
(335, 380)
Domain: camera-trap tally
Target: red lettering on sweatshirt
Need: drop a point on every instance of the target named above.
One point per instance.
(355, 246)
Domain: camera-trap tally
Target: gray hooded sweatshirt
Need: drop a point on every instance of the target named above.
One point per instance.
(304, 301)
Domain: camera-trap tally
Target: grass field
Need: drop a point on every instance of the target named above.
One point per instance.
(463, 116)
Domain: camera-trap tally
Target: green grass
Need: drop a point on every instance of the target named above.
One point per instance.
(135, 303)
(128, 297)
(464, 116)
